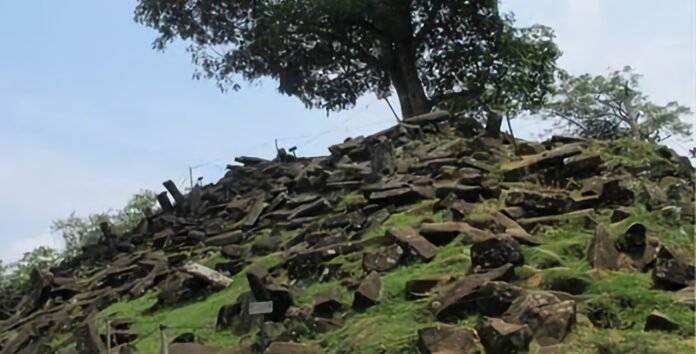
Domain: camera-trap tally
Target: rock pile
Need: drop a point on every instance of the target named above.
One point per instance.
(314, 210)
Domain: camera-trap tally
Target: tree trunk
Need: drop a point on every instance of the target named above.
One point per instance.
(403, 73)
(416, 93)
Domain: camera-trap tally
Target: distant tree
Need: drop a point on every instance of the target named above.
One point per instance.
(606, 107)
(78, 232)
(328, 53)
(42, 258)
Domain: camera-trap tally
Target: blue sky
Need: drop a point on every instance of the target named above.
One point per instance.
(90, 114)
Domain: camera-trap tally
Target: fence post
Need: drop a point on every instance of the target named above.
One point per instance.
(108, 336)
(164, 349)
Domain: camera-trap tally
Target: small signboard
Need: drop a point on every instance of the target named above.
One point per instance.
(259, 308)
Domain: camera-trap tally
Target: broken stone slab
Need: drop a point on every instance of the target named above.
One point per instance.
(466, 193)
(529, 148)
(427, 118)
(516, 170)
(587, 216)
(443, 233)
(327, 303)
(495, 297)
(292, 348)
(410, 239)
(671, 271)
(250, 161)
(473, 163)
(177, 288)
(236, 316)
(174, 191)
(419, 288)
(311, 209)
(164, 202)
(469, 176)
(549, 318)
(442, 338)
(369, 292)
(87, 339)
(213, 278)
(456, 301)
(355, 220)
(398, 196)
(614, 190)
(550, 202)
(382, 162)
(583, 164)
(227, 238)
(602, 253)
(458, 207)
(514, 212)
(500, 337)
(384, 260)
(231, 268)
(657, 321)
(326, 238)
(355, 148)
(234, 251)
(514, 229)
(263, 289)
(253, 213)
(495, 252)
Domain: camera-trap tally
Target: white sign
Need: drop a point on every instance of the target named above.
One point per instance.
(258, 308)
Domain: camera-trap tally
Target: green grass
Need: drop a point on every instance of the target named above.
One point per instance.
(585, 339)
(213, 260)
(391, 326)
(353, 198)
(411, 217)
(198, 317)
(630, 297)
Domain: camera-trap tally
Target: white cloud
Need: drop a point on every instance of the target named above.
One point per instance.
(17, 247)
(39, 185)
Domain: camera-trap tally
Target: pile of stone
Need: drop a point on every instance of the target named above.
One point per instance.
(249, 212)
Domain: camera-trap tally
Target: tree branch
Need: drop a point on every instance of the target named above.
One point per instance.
(429, 23)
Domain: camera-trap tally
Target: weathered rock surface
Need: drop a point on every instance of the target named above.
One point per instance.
(500, 337)
(369, 293)
(446, 339)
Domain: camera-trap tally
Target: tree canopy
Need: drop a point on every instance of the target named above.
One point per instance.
(611, 106)
(328, 53)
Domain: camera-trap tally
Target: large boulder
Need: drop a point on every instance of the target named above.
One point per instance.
(495, 252)
(444, 339)
(369, 292)
(549, 318)
(500, 337)
(384, 260)
(671, 271)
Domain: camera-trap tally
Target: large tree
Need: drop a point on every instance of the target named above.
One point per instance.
(330, 52)
(612, 106)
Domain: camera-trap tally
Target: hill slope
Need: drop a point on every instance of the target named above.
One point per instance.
(424, 238)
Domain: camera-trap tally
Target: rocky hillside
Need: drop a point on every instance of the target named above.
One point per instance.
(423, 238)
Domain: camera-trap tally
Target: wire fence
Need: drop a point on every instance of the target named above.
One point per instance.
(306, 143)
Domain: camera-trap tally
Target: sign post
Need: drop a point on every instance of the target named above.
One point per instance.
(259, 309)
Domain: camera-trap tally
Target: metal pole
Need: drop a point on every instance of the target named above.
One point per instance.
(393, 111)
(108, 336)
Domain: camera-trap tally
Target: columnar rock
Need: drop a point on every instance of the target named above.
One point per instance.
(495, 252)
(369, 293)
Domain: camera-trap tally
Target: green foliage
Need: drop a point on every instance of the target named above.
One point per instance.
(612, 106)
(328, 53)
(78, 232)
